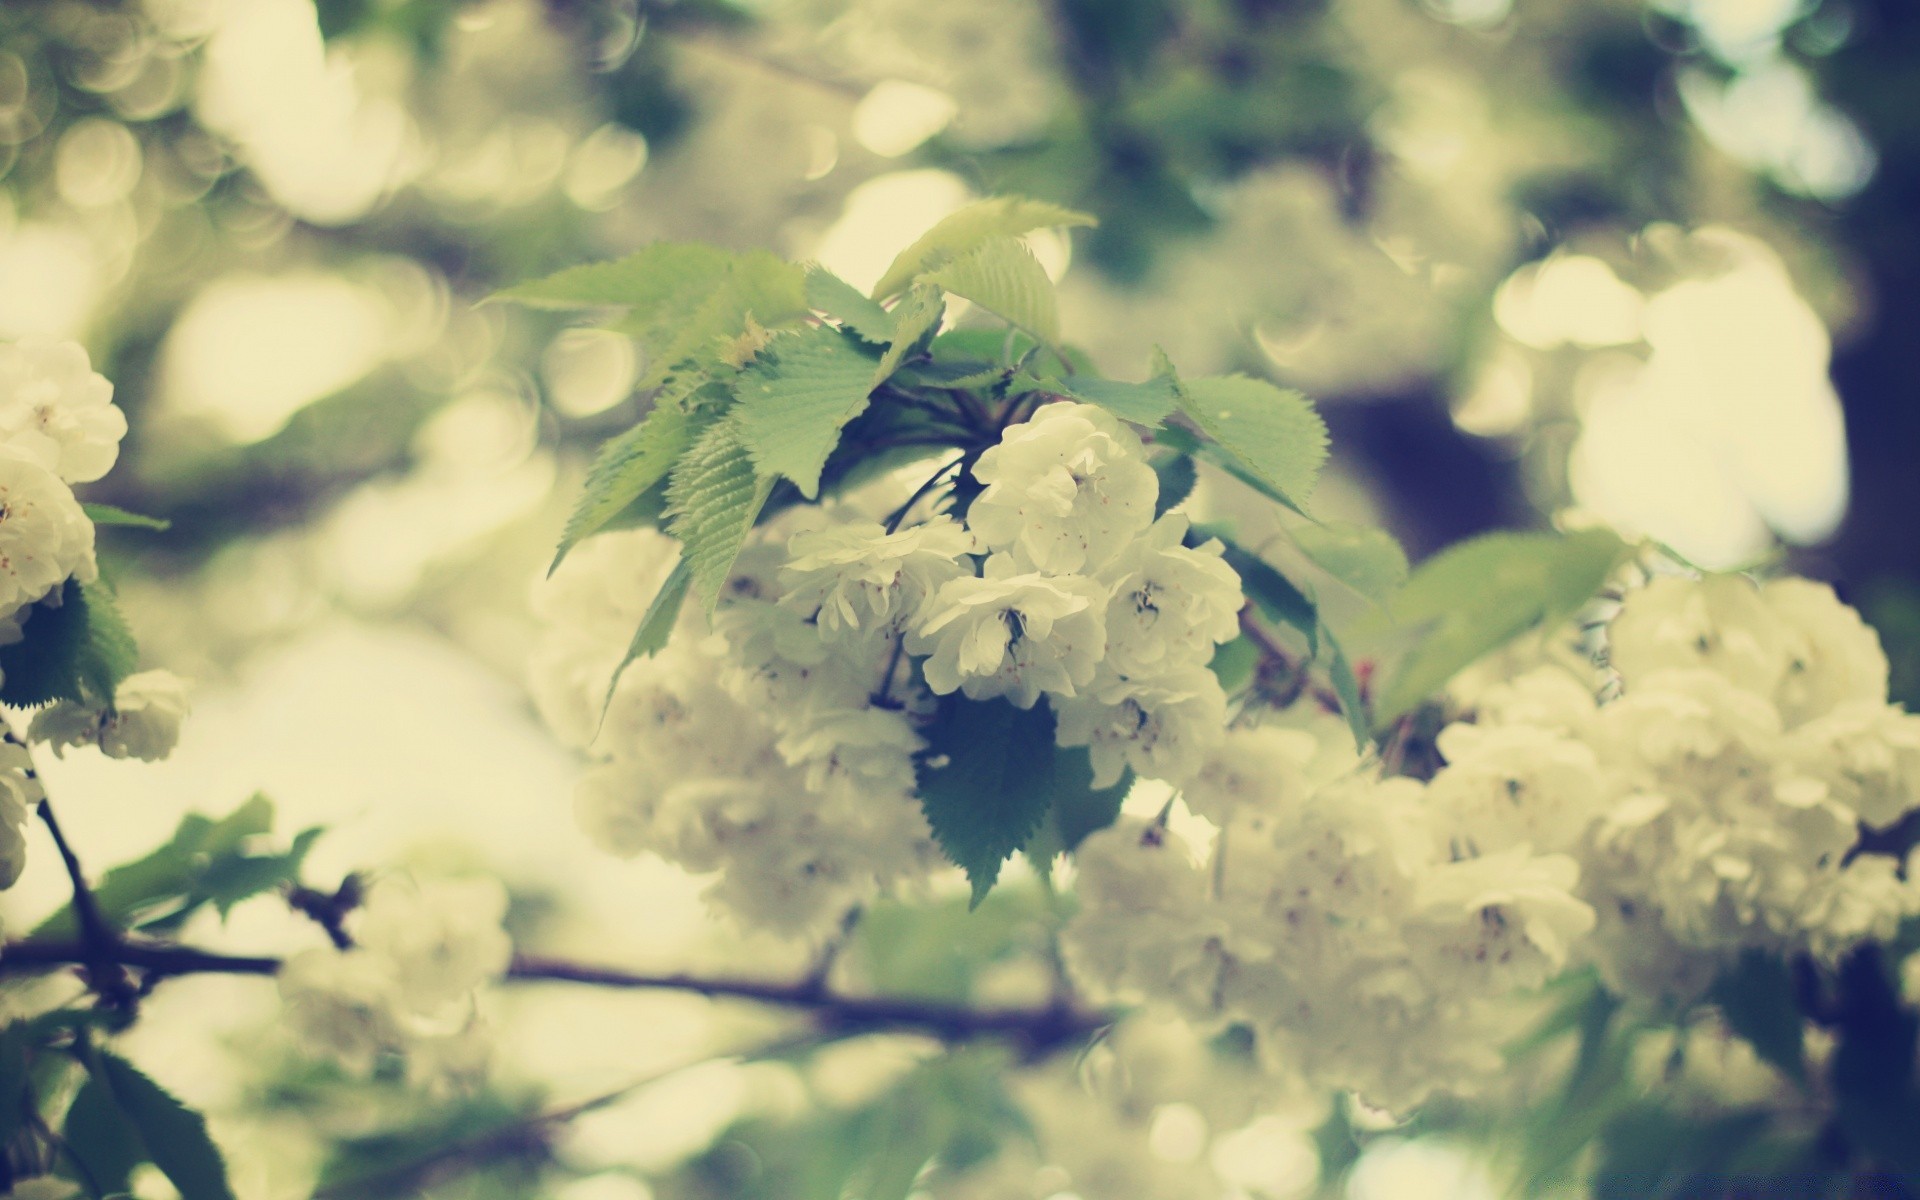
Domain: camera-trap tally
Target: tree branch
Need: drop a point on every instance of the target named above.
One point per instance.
(1037, 1030)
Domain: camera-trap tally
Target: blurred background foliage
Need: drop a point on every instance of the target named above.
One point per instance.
(1635, 260)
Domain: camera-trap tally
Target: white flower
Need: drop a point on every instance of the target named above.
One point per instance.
(1262, 767)
(1500, 921)
(440, 939)
(342, 1004)
(1546, 697)
(1513, 785)
(45, 537)
(1162, 727)
(1144, 928)
(1170, 604)
(861, 580)
(20, 790)
(1012, 634)
(143, 722)
(1064, 491)
(57, 411)
(1719, 623)
(1833, 657)
(1868, 756)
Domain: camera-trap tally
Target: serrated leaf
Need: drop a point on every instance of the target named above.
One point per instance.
(656, 626)
(1276, 596)
(713, 499)
(79, 650)
(173, 1137)
(1366, 559)
(1001, 216)
(833, 296)
(986, 782)
(759, 285)
(1481, 594)
(108, 514)
(1147, 403)
(1758, 998)
(1177, 477)
(1003, 277)
(665, 277)
(1275, 435)
(794, 400)
(103, 1143)
(914, 317)
(625, 468)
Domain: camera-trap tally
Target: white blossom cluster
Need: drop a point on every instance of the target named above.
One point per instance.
(775, 746)
(408, 985)
(1377, 932)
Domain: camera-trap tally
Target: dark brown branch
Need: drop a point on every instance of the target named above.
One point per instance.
(1036, 1030)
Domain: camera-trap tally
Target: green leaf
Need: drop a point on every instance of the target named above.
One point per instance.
(758, 285)
(1001, 216)
(1758, 999)
(1177, 477)
(936, 949)
(656, 626)
(1275, 435)
(986, 782)
(79, 650)
(16, 1080)
(173, 1136)
(829, 294)
(660, 280)
(1276, 596)
(1346, 685)
(104, 1144)
(1481, 594)
(199, 865)
(913, 318)
(1366, 559)
(1147, 403)
(107, 514)
(1233, 663)
(795, 399)
(713, 498)
(1003, 277)
(626, 467)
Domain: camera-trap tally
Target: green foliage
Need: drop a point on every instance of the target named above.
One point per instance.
(398, 1160)
(796, 397)
(834, 297)
(1274, 435)
(1147, 403)
(152, 1124)
(656, 625)
(627, 466)
(1346, 686)
(104, 1145)
(206, 861)
(713, 499)
(79, 650)
(1475, 597)
(935, 951)
(999, 217)
(107, 514)
(1177, 476)
(16, 1080)
(1366, 559)
(1756, 995)
(1234, 663)
(1003, 277)
(916, 316)
(987, 779)
(1276, 596)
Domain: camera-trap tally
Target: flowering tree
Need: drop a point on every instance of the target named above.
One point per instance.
(889, 591)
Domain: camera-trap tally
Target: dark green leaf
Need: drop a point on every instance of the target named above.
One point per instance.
(1757, 997)
(829, 294)
(16, 1080)
(1346, 685)
(1271, 592)
(1177, 477)
(1079, 808)
(173, 1136)
(796, 397)
(104, 1144)
(107, 514)
(986, 782)
(79, 650)
(917, 315)
(657, 625)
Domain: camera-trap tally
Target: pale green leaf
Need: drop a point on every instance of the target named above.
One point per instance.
(656, 626)
(917, 315)
(1477, 596)
(829, 294)
(663, 278)
(713, 498)
(796, 397)
(1146, 403)
(1274, 434)
(107, 514)
(626, 467)
(1366, 559)
(1003, 277)
(1001, 216)
(758, 285)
